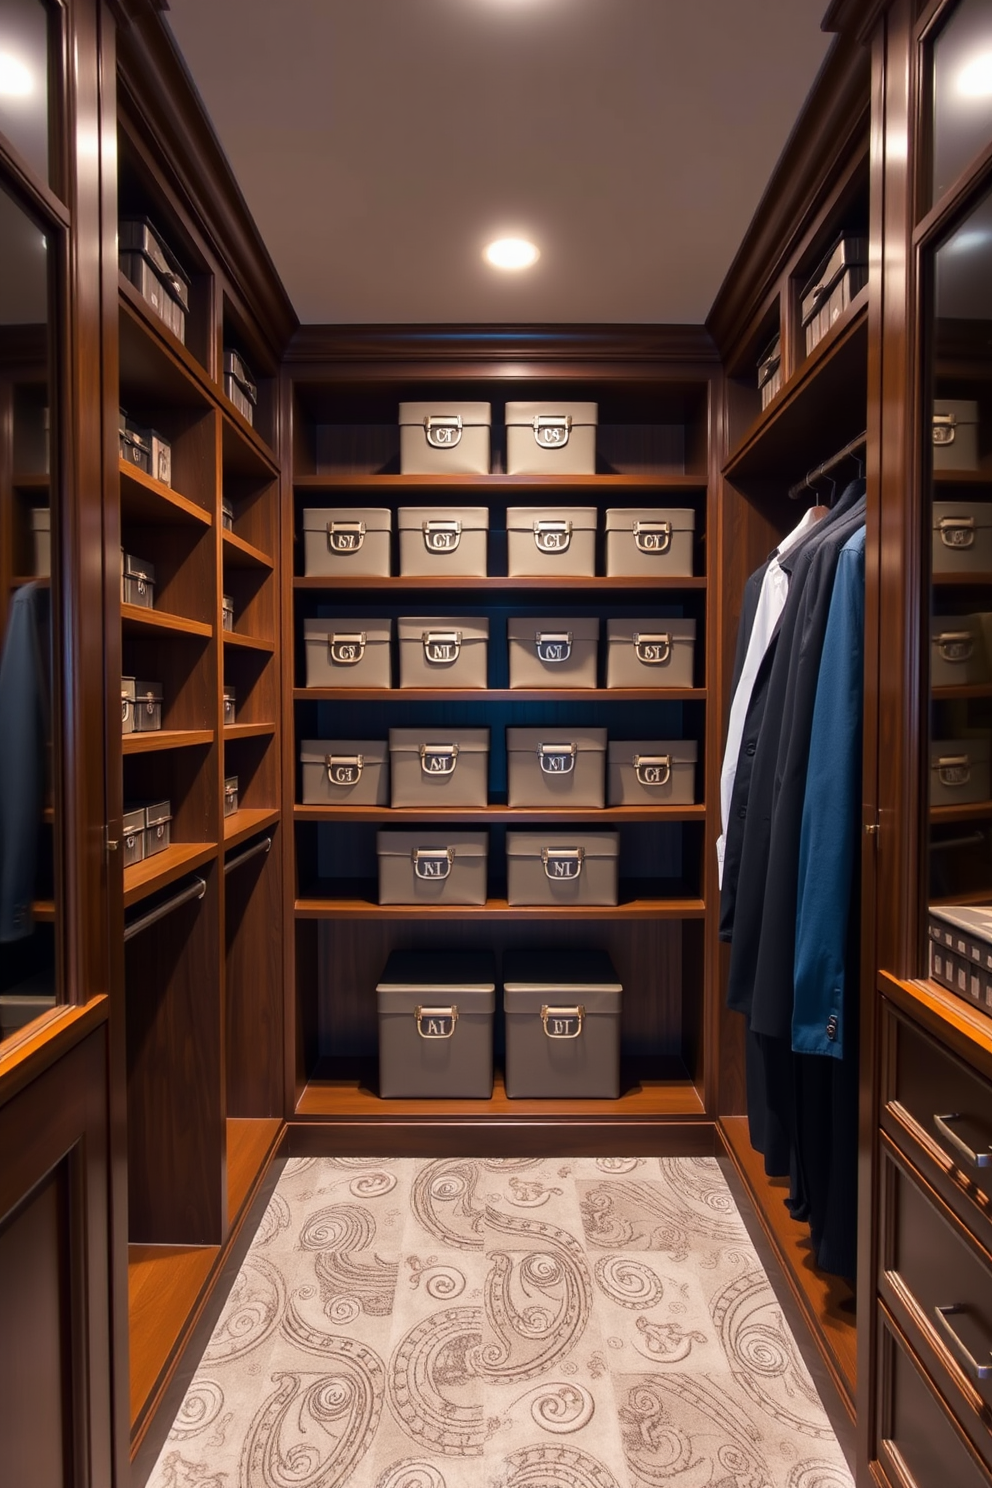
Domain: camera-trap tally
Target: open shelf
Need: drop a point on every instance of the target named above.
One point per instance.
(963, 691)
(144, 499)
(962, 581)
(241, 554)
(249, 1143)
(159, 739)
(978, 811)
(400, 815)
(499, 695)
(600, 584)
(246, 822)
(247, 642)
(323, 903)
(244, 450)
(248, 730)
(154, 362)
(43, 910)
(157, 872)
(961, 477)
(160, 622)
(165, 1283)
(519, 485)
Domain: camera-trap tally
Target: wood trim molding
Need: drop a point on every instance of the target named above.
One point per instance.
(48, 1039)
(489, 343)
(855, 17)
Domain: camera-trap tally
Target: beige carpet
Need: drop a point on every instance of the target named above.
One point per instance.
(462, 1323)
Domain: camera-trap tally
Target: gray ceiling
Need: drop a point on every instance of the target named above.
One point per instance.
(381, 144)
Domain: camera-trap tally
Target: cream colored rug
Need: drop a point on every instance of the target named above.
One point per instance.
(525, 1323)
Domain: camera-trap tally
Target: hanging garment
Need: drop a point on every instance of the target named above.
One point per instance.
(24, 732)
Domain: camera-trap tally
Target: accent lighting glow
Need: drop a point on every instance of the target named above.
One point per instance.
(511, 253)
(16, 80)
(975, 80)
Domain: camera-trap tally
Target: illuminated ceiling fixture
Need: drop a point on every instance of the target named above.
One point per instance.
(975, 80)
(511, 253)
(15, 79)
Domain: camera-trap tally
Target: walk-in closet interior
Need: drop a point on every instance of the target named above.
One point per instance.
(792, 815)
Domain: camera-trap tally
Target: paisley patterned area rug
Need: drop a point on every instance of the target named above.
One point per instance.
(525, 1323)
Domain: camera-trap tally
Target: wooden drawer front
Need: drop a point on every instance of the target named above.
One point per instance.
(918, 1446)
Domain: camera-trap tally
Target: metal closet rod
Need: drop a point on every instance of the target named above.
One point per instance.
(263, 845)
(801, 487)
(194, 890)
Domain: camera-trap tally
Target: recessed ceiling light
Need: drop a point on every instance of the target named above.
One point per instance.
(975, 80)
(512, 253)
(16, 80)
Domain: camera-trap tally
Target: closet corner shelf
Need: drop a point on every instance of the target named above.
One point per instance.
(164, 1284)
(155, 364)
(962, 581)
(978, 811)
(42, 580)
(963, 691)
(241, 554)
(164, 868)
(962, 477)
(247, 642)
(145, 499)
(322, 904)
(949, 1017)
(400, 815)
(43, 910)
(250, 1141)
(514, 485)
(499, 695)
(26, 482)
(248, 730)
(244, 451)
(162, 739)
(247, 821)
(134, 617)
(501, 583)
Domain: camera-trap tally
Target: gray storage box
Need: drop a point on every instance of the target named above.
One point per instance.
(137, 581)
(770, 370)
(227, 612)
(343, 540)
(550, 766)
(436, 1025)
(841, 276)
(445, 438)
(553, 653)
(649, 542)
(347, 653)
(230, 705)
(955, 434)
(432, 867)
(345, 772)
(443, 650)
(158, 827)
(439, 767)
(239, 385)
(962, 537)
(127, 705)
(652, 772)
(227, 514)
(959, 771)
(134, 835)
(230, 794)
(147, 707)
(650, 652)
(562, 1017)
(443, 540)
(41, 538)
(154, 272)
(551, 438)
(551, 540)
(554, 868)
(160, 454)
(957, 651)
(134, 443)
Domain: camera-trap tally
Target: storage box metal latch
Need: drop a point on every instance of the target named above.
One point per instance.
(551, 430)
(552, 536)
(955, 645)
(432, 862)
(436, 1022)
(347, 648)
(441, 647)
(344, 769)
(653, 650)
(345, 537)
(653, 769)
(652, 537)
(441, 535)
(944, 429)
(443, 430)
(954, 769)
(562, 863)
(557, 759)
(957, 532)
(126, 704)
(562, 1022)
(553, 645)
(438, 759)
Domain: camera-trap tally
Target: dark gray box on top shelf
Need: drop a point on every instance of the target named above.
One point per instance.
(562, 1012)
(435, 1013)
(155, 272)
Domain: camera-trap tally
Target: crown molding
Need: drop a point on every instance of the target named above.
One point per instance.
(494, 344)
(857, 18)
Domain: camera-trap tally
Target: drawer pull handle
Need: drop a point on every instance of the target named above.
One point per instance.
(980, 1370)
(975, 1159)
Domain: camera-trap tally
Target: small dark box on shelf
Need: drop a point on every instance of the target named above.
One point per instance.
(158, 827)
(842, 274)
(239, 385)
(562, 1012)
(154, 272)
(134, 835)
(137, 581)
(436, 1025)
(135, 444)
(961, 951)
(770, 370)
(230, 795)
(147, 707)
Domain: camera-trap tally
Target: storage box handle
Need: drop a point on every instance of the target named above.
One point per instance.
(432, 862)
(957, 532)
(562, 1022)
(441, 535)
(443, 430)
(954, 769)
(552, 535)
(653, 650)
(553, 645)
(344, 769)
(955, 645)
(557, 759)
(944, 429)
(345, 537)
(562, 863)
(551, 430)
(440, 1021)
(126, 703)
(980, 1369)
(441, 647)
(347, 647)
(653, 769)
(653, 537)
(438, 759)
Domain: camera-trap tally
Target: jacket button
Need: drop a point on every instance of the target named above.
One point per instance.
(742, 812)
(832, 1027)
(750, 747)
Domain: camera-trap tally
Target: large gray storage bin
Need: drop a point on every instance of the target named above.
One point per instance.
(649, 542)
(555, 868)
(544, 541)
(959, 771)
(650, 652)
(137, 581)
(450, 438)
(957, 651)
(652, 772)
(432, 867)
(345, 772)
(436, 1025)
(154, 271)
(339, 541)
(962, 537)
(553, 653)
(562, 1018)
(955, 434)
(347, 653)
(147, 707)
(439, 766)
(551, 438)
(443, 650)
(133, 823)
(443, 540)
(550, 766)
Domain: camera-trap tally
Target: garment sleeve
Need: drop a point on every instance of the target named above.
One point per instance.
(22, 775)
(830, 818)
